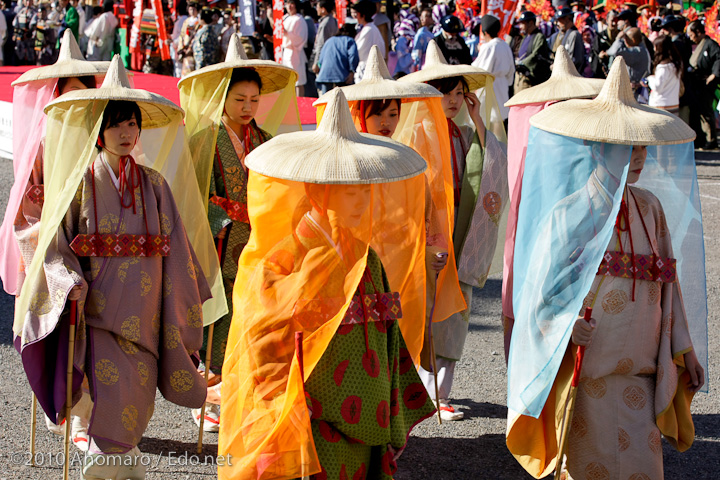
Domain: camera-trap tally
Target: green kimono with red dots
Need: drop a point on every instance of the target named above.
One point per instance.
(365, 394)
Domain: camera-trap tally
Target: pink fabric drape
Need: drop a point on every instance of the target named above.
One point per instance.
(29, 100)
(518, 129)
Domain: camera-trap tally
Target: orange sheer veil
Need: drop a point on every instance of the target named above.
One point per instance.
(423, 128)
(299, 273)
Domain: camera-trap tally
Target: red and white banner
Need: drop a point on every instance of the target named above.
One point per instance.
(504, 10)
(163, 43)
(278, 6)
(341, 11)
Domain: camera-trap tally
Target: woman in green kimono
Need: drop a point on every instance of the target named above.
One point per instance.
(318, 380)
(479, 172)
(222, 102)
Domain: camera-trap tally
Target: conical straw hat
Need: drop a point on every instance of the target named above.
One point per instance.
(436, 67)
(378, 84)
(614, 116)
(273, 75)
(157, 111)
(564, 83)
(70, 63)
(335, 153)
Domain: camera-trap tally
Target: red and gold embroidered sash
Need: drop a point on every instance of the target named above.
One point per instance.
(645, 267)
(382, 307)
(36, 194)
(237, 211)
(121, 245)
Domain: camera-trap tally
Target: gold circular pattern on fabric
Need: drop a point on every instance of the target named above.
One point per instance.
(59, 299)
(639, 476)
(191, 269)
(614, 302)
(578, 427)
(655, 442)
(181, 381)
(172, 336)
(589, 298)
(106, 372)
(130, 417)
(596, 471)
(623, 440)
(96, 303)
(108, 223)
(596, 388)
(668, 325)
(653, 293)
(127, 346)
(165, 225)
(95, 264)
(624, 366)
(662, 225)
(155, 177)
(642, 205)
(130, 328)
(634, 397)
(143, 373)
(40, 304)
(156, 323)
(194, 316)
(124, 266)
(145, 283)
(167, 285)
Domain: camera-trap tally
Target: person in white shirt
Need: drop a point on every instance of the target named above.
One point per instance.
(101, 35)
(496, 56)
(367, 35)
(665, 82)
(295, 35)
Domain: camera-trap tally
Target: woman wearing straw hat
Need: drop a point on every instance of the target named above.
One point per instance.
(564, 83)
(614, 233)
(478, 165)
(341, 400)
(222, 102)
(33, 90)
(412, 114)
(113, 232)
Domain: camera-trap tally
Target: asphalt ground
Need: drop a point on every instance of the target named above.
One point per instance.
(470, 449)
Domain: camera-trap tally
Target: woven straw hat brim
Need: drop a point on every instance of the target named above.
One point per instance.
(377, 84)
(70, 63)
(564, 83)
(157, 111)
(335, 153)
(614, 117)
(436, 67)
(273, 75)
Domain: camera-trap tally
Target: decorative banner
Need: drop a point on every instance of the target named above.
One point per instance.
(341, 11)
(247, 18)
(163, 43)
(504, 10)
(135, 45)
(711, 22)
(278, 6)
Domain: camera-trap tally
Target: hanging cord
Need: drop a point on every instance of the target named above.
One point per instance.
(622, 224)
(455, 133)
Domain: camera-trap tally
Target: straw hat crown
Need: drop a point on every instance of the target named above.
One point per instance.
(335, 153)
(564, 83)
(614, 116)
(378, 84)
(437, 67)
(70, 63)
(157, 111)
(273, 75)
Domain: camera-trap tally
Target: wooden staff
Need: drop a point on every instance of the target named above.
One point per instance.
(208, 358)
(68, 387)
(432, 344)
(570, 404)
(33, 422)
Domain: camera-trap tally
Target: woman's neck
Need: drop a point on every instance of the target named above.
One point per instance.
(113, 161)
(234, 126)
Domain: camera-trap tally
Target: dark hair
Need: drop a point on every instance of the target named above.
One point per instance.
(347, 30)
(107, 6)
(375, 107)
(366, 8)
(664, 50)
(428, 10)
(245, 75)
(194, 5)
(696, 26)
(181, 7)
(206, 16)
(328, 5)
(96, 10)
(88, 81)
(447, 85)
(296, 3)
(118, 111)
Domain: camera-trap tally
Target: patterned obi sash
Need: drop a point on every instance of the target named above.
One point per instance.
(36, 194)
(117, 245)
(237, 211)
(647, 267)
(383, 307)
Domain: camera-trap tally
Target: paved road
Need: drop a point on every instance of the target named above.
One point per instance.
(471, 449)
